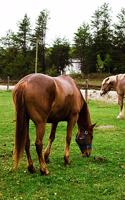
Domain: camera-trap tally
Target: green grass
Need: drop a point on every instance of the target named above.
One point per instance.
(101, 177)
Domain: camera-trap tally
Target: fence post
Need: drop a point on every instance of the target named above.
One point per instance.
(36, 59)
(8, 82)
(86, 90)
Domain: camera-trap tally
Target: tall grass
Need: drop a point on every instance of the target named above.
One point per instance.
(101, 177)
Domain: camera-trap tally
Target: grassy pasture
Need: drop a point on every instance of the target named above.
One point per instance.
(101, 177)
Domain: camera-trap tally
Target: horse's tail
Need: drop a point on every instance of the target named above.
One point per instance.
(22, 123)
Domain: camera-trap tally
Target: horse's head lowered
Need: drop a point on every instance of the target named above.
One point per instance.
(84, 140)
(107, 84)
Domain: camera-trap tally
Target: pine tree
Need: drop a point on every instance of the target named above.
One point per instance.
(102, 32)
(40, 35)
(60, 54)
(82, 45)
(119, 42)
(23, 34)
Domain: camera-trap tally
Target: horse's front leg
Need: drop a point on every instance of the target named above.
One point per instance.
(120, 102)
(51, 139)
(70, 126)
(40, 130)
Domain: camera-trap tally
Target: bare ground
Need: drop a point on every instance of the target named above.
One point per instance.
(111, 97)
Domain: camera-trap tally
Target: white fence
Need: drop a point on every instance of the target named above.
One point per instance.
(6, 87)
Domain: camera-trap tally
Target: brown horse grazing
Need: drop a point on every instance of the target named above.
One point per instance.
(44, 99)
(116, 83)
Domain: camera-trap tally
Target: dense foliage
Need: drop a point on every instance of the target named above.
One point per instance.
(99, 45)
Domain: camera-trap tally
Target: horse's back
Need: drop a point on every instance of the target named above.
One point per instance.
(38, 94)
(50, 98)
(66, 87)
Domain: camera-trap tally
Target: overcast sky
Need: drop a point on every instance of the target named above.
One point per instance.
(65, 15)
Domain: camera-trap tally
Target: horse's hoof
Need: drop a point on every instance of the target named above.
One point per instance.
(46, 159)
(11, 170)
(67, 162)
(120, 117)
(31, 169)
(44, 173)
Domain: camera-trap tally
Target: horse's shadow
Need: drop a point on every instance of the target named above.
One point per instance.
(99, 160)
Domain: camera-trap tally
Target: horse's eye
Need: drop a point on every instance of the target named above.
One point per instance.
(86, 132)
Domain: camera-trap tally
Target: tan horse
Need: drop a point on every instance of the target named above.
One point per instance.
(44, 99)
(116, 83)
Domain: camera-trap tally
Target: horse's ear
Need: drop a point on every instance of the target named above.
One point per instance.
(107, 79)
(93, 125)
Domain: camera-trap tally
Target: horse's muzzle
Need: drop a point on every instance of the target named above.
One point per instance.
(86, 153)
(102, 92)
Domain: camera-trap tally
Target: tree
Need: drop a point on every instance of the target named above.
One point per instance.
(102, 32)
(40, 35)
(8, 55)
(9, 40)
(23, 40)
(103, 65)
(60, 54)
(100, 64)
(83, 41)
(119, 30)
(16, 47)
(23, 34)
(119, 43)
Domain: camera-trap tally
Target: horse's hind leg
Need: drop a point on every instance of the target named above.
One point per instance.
(120, 102)
(31, 168)
(51, 139)
(122, 112)
(40, 129)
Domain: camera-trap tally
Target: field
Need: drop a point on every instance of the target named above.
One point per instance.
(99, 177)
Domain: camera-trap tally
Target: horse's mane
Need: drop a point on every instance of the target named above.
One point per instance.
(84, 119)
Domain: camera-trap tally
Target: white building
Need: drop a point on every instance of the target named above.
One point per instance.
(74, 67)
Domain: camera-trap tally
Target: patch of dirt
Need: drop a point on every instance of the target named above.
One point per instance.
(106, 127)
(100, 160)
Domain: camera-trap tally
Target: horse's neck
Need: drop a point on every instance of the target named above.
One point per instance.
(84, 120)
(114, 82)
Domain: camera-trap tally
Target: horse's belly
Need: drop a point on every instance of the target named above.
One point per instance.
(61, 115)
